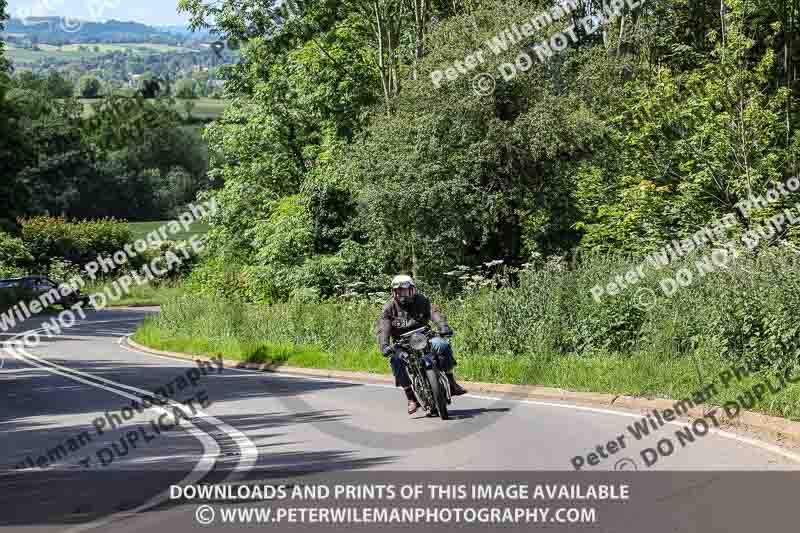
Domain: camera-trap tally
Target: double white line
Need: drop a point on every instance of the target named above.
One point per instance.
(211, 450)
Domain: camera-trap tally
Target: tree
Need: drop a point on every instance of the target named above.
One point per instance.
(57, 86)
(150, 88)
(29, 80)
(184, 88)
(338, 145)
(89, 87)
(188, 106)
(4, 63)
(15, 148)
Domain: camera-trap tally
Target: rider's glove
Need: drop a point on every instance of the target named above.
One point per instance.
(388, 351)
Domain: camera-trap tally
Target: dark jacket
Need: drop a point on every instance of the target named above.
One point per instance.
(396, 320)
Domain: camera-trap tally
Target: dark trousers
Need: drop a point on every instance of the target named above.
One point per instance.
(440, 347)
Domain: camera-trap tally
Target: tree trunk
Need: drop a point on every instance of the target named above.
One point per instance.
(413, 260)
(420, 17)
(722, 23)
(379, 30)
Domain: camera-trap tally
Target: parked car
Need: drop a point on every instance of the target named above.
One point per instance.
(32, 287)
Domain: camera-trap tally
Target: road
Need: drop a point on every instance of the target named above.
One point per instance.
(70, 398)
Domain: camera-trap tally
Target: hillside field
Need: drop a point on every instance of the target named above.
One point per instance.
(141, 229)
(204, 108)
(74, 52)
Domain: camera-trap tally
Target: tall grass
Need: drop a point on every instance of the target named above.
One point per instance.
(154, 293)
(547, 330)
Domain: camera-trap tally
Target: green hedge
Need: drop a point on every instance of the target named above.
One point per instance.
(14, 254)
(78, 242)
(56, 246)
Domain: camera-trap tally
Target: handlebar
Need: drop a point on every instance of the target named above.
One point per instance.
(409, 333)
(426, 330)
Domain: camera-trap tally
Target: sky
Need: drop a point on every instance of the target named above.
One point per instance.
(151, 12)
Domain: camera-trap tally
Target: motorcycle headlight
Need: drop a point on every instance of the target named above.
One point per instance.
(418, 342)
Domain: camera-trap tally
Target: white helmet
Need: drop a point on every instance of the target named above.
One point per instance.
(403, 282)
(403, 289)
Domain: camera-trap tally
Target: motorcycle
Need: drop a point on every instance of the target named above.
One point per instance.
(428, 379)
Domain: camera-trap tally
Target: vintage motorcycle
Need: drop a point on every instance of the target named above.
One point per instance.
(428, 380)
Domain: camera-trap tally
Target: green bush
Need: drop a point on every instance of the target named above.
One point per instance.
(220, 278)
(60, 270)
(180, 249)
(185, 88)
(78, 242)
(10, 271)
(89, 87)
(13, 253)
(320, 276)
(10, 297)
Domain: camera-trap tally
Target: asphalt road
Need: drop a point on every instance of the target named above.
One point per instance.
(69, 460)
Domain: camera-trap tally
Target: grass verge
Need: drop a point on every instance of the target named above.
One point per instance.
(648, 375)
(629, 376)
(148, 294)
(547, 329)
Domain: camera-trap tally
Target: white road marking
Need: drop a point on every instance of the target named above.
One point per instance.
(211, 450)
(249, 450)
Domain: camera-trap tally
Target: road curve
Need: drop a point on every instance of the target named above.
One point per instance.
(257, 426)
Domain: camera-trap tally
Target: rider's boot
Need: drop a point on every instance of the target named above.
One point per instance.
(455, 388)
(413, 405)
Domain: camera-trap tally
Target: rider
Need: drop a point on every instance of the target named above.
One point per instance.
(406, 311)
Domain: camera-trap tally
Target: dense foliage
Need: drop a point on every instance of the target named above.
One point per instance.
(129, 158)
(61, 249)
(343, 163)
(549, 313)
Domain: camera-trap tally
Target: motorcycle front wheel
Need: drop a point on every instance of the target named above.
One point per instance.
(439, 397)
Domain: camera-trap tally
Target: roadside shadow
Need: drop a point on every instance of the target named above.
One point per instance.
(462, 414)
(77, 497)
(465, 414)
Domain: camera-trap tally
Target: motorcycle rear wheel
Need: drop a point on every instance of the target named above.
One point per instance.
(439, 397)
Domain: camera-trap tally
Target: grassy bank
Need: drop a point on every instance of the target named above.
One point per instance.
(647, 375)
(615, 374)
(546, 331)
(149, 294)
